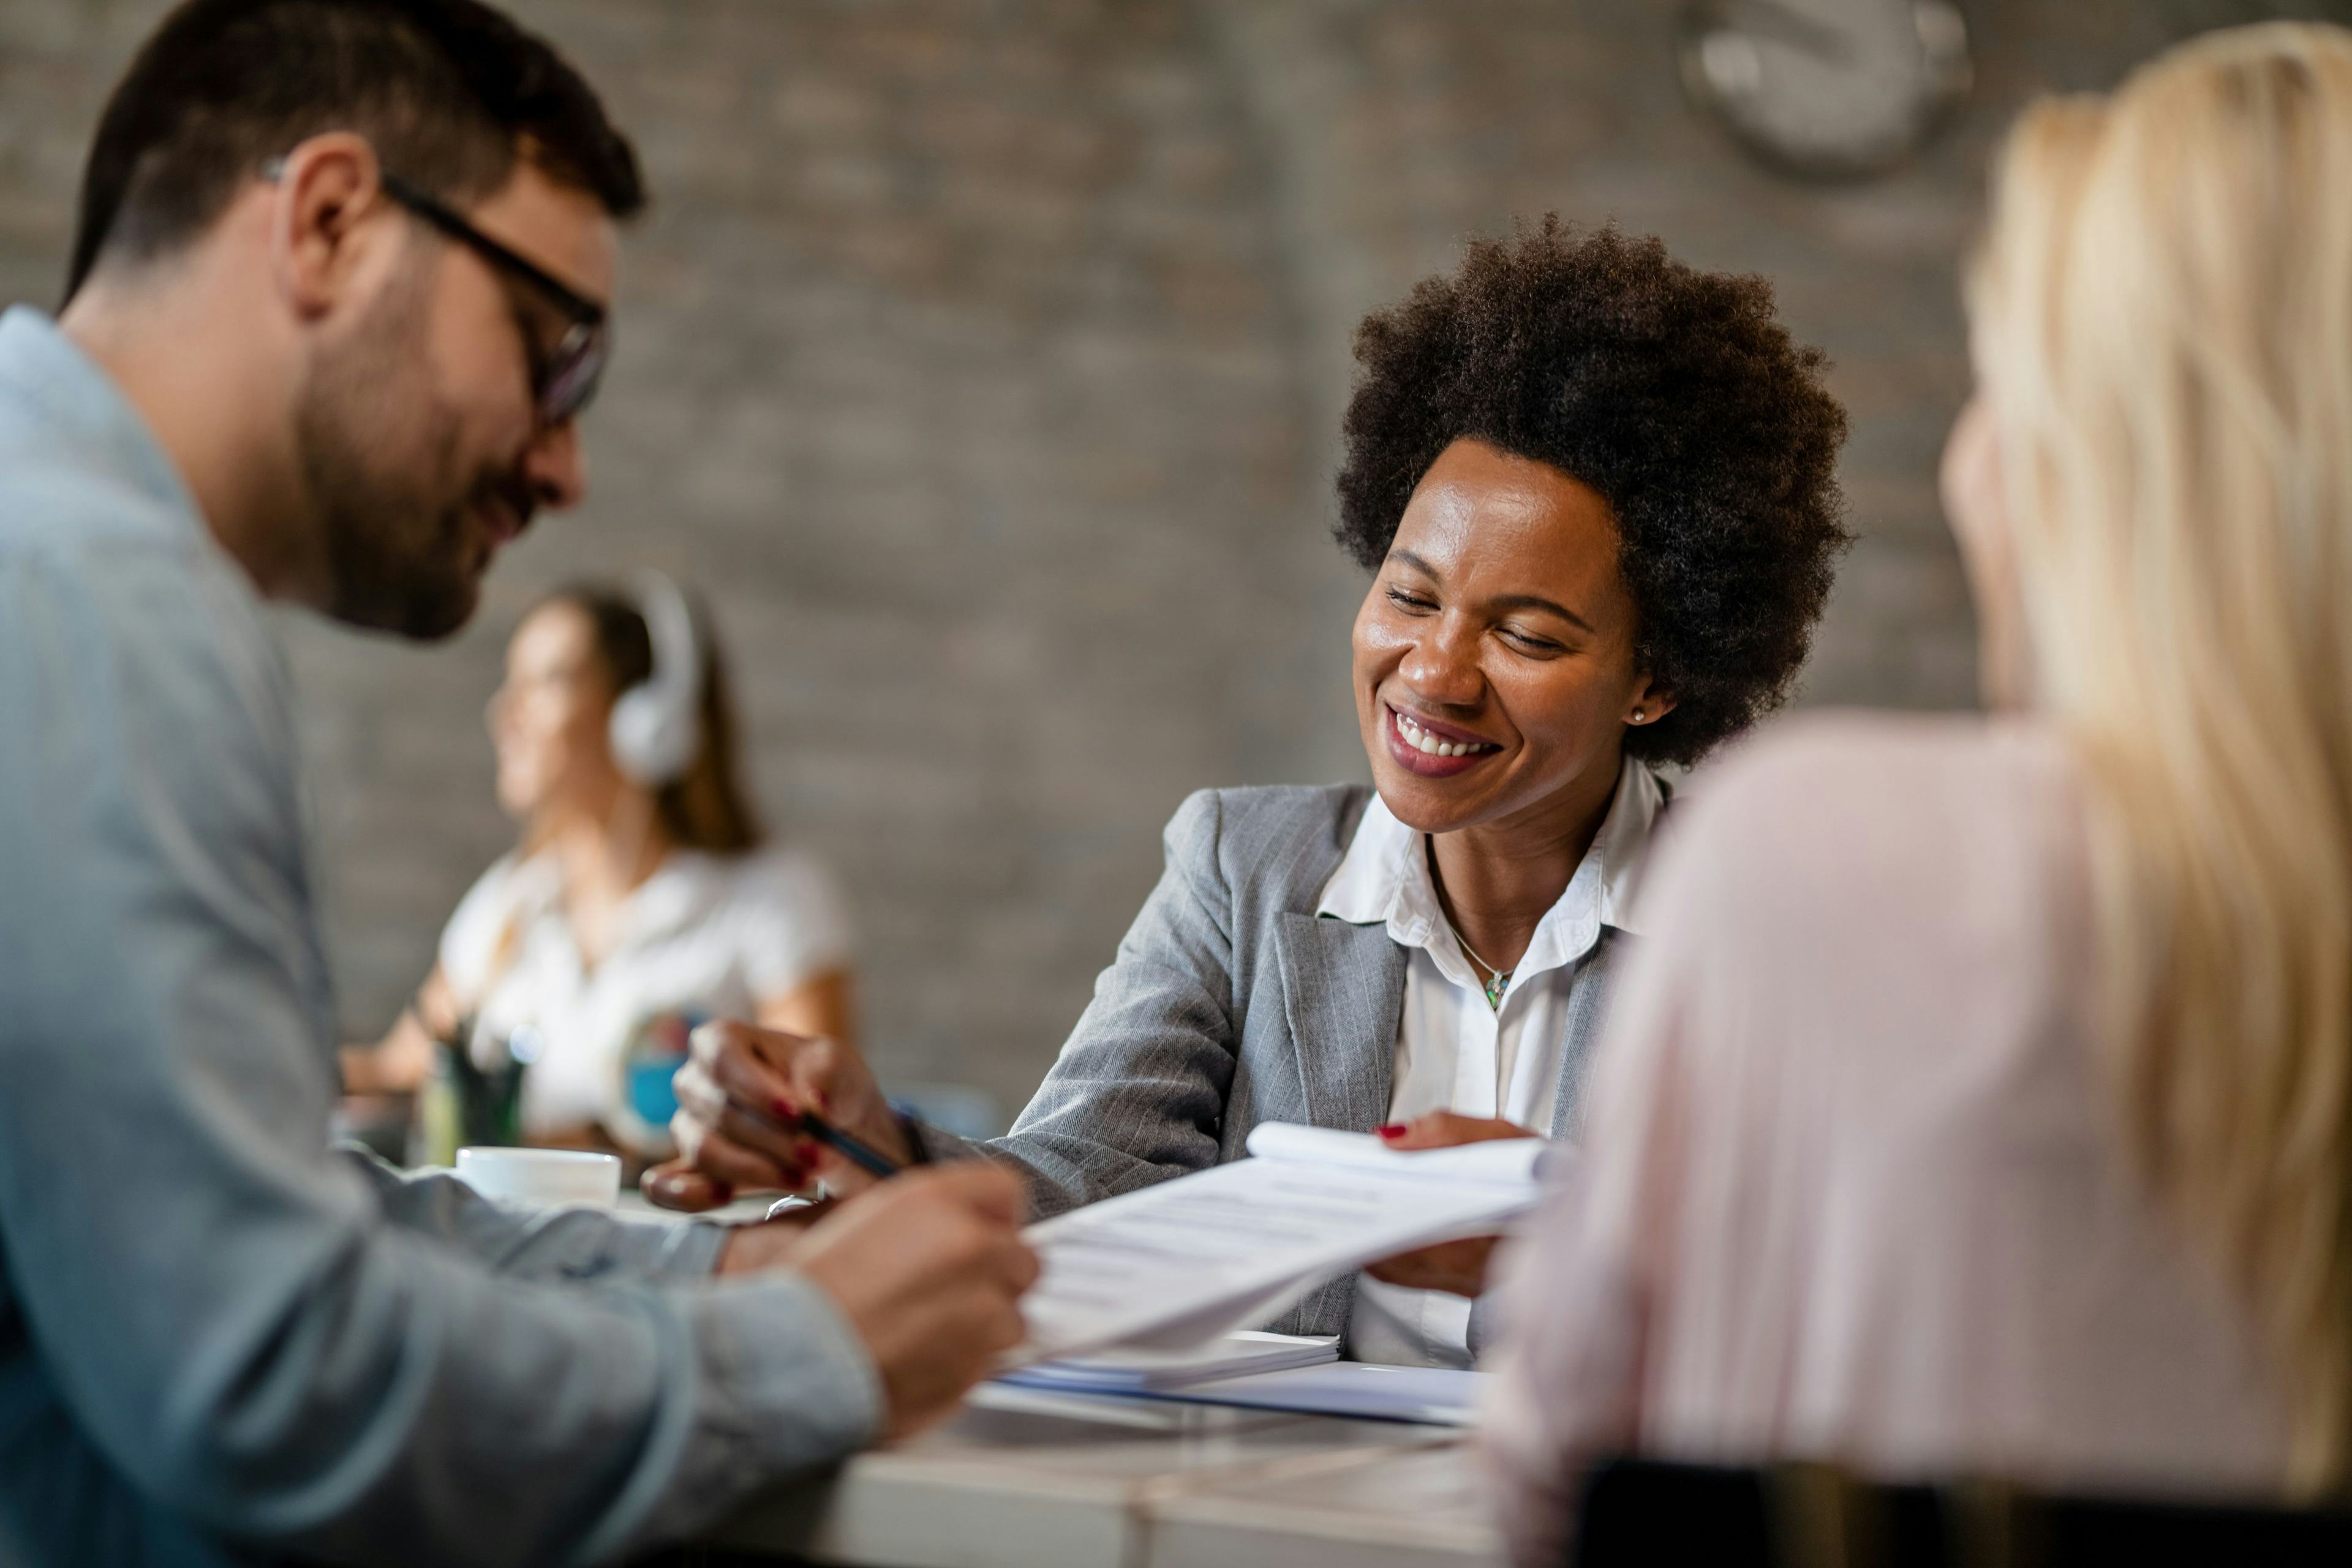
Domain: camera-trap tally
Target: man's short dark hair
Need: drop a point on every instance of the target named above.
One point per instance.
(449, 92)
(1677, 396)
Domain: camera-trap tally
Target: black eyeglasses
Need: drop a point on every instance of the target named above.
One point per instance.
(562, 380)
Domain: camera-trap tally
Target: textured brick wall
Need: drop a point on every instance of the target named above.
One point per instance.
(983, 362)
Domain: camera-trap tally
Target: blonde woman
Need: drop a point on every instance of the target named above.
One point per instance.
(1982, 1100)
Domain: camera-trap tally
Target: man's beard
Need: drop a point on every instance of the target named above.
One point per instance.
(380, 452)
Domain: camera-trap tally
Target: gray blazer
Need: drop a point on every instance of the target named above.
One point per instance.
(1231, 1003)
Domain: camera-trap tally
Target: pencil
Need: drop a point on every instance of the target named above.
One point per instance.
(872, 1161)
(859, 1153)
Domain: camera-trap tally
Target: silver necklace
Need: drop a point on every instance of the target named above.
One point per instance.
(1499, 981)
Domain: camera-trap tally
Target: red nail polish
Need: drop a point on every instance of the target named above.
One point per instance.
(1390, 1129)
(785, 1108)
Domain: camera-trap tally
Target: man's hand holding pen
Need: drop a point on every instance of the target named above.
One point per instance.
(927, 1266)
(927, 1270)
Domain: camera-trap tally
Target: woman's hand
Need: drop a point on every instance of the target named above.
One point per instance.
(1444, 1130)
(1456, 1267)
(737, 1096)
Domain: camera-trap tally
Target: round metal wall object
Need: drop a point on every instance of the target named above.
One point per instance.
(1826, 90)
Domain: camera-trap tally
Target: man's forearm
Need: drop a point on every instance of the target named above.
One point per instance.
(545, 1244)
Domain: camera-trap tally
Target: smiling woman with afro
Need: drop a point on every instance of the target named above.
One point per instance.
(1595, 489)
(1671, 393)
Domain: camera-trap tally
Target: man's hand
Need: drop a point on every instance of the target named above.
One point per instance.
(1458, 1266)
(737, 1094)
(928, 1268)
(770, 1244)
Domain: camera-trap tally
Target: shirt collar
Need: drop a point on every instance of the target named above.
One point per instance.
(56, 386)
(1384, 878)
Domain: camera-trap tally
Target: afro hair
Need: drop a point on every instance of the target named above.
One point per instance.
(1673, 393)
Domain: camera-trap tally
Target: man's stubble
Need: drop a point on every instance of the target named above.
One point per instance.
(381, 454)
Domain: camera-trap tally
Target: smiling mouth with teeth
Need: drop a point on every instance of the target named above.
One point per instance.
(1423, 740)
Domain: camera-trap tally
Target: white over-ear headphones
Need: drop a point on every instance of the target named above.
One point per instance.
(657, 725)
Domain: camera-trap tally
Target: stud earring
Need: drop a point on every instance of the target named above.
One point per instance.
(1637, 715)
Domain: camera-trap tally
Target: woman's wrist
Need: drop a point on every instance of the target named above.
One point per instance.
(910, 1133)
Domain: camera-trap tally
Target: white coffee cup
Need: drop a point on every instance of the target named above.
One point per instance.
(542, 1175)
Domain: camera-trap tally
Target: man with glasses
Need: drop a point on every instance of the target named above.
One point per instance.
(338, 296)
(563, 378)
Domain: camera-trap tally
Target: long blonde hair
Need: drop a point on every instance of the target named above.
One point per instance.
(2163, 321)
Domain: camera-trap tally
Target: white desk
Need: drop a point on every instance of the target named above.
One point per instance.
(1027, 1480)
(1021, 1479)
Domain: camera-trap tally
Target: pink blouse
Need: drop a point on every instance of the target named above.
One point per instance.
(1851, 1186)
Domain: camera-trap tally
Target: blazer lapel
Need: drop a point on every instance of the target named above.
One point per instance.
(1343, 994)
(1587, 1003)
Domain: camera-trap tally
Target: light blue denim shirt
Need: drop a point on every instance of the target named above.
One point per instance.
(220, 1341)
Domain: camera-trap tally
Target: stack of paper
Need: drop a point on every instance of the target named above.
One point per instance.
(1424, 1396)
(1175, 1265)
(1146, 1372)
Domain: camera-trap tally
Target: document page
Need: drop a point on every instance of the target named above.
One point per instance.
(1228, 1355)
(1424, 1396)
(1177, 1264)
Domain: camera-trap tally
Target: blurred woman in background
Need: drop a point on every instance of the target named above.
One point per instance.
(1982, 1102)
(640, 899)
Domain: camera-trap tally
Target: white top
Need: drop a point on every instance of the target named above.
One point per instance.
(708, 934)
(1456, 1053)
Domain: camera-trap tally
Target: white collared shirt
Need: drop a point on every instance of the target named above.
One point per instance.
(1455, 1052)
(714, 935)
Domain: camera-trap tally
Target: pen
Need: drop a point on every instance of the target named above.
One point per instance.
(857, 1152)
